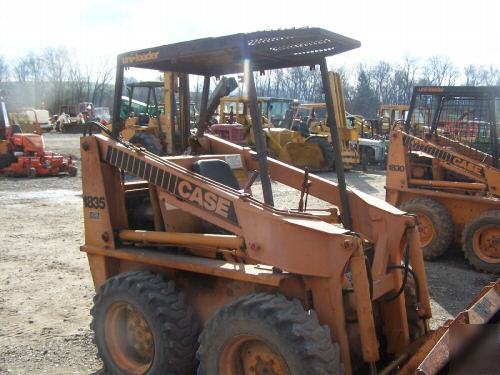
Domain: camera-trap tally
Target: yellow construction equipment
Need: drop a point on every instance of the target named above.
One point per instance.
(392, 115)
(292, 147)
(307, 143)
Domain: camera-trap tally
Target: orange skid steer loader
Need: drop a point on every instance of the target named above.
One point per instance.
(448, 179)
(194, 274)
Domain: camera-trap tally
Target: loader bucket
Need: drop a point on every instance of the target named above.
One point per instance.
(303, 155)
(448, 344)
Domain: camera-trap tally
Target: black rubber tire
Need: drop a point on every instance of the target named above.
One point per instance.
(440, 219)
(326, 149)
(486, 218)
(367, 155)
(304, 345)
(416, 325)
(6, 160)
(73, 171)
(149, 141)
(170, 319)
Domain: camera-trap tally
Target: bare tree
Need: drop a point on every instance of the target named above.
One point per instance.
(57, 65)
(490, 76)
(404, 78)
(4, 71)
(102, 77)
(472, 76)
(381, 75)
(21, 70)
(439, 71)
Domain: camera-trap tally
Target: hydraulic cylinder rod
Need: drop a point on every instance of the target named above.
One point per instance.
(221, 241)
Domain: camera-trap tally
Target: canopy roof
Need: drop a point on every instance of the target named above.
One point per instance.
(271, 49)
(146, 84)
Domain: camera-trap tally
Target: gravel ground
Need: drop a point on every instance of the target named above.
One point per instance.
(45, 286)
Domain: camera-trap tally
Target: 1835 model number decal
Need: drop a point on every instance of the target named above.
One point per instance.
(92, 201)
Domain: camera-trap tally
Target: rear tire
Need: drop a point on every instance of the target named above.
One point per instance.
(147, 140)
(266, 334)
(481, 242)
(435, 225)
(142, 325)
(6, 160)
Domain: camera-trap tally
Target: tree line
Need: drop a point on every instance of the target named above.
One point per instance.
(56, 77)
(366, 86)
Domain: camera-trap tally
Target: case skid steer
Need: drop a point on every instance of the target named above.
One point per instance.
(437, 171)
(193, 273)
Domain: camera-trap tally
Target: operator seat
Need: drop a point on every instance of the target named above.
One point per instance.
(217, 170)
(220, 171)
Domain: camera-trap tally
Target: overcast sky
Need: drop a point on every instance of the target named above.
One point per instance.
(466, 31)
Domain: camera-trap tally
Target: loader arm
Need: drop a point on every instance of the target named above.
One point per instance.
(403, 143)
(229, 209)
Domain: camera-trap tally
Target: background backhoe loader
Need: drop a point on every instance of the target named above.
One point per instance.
(289, 146)
(163, 126)
(193, 272)
(306, 143)
(436, 170)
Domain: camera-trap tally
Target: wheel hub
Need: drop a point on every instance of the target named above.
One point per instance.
(129, 339)
(139, 334)
(425, 229)
(486, 243)
(251, 356)
(259, 359)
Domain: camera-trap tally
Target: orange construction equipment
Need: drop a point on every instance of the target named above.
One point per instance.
(194, 273)
(444, 178)
(23, 154)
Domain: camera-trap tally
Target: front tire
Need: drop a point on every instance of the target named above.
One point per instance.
(142, 325)
(31, 173)
(435, 225)
(266, 334)
(73, 171)
(481, 242)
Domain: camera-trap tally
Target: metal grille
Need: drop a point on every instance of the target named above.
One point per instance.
(463, 119)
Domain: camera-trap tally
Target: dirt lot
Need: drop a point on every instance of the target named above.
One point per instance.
(46, 289)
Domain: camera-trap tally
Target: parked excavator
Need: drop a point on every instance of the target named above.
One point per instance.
(437, 171)
(195, 273)
(24, 154)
